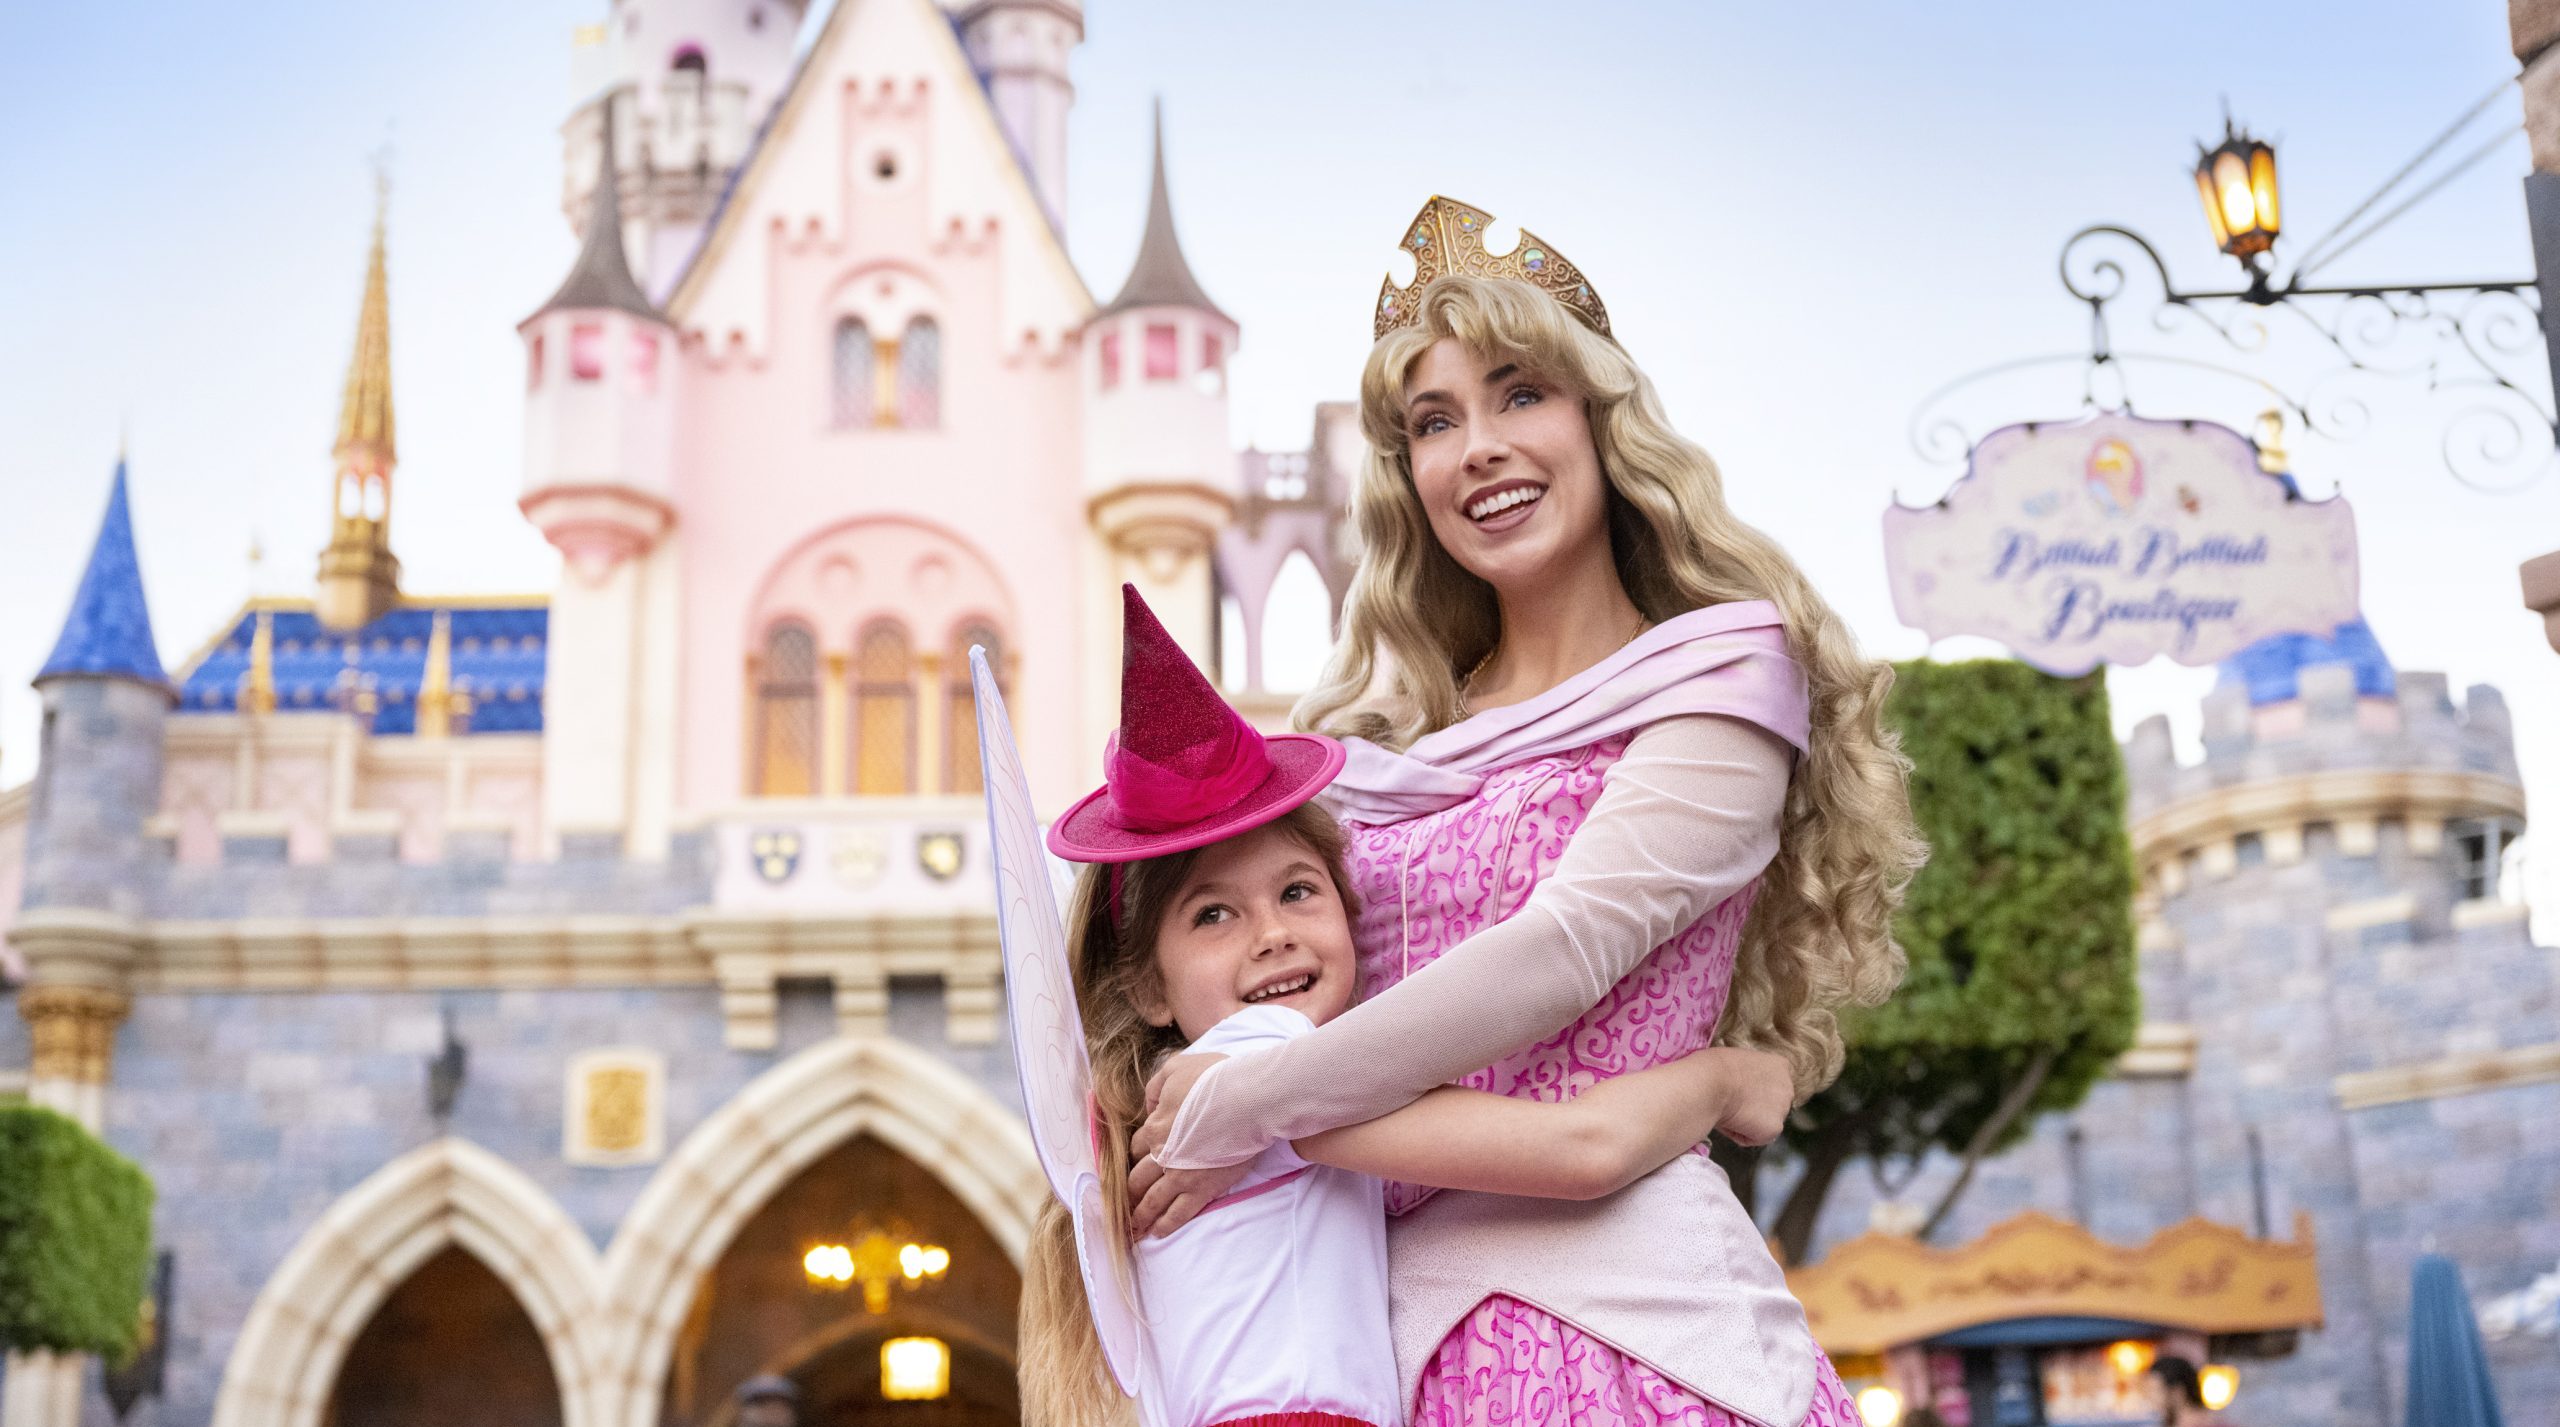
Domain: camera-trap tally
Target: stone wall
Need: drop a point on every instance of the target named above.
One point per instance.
(254, 1112)
(2381, 1040)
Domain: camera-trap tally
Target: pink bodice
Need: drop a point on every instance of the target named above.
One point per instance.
(1430, 882)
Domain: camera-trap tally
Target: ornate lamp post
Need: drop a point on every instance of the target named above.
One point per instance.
(2475, 338)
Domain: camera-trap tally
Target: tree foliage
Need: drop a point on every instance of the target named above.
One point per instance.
(75, 1236)
(2021, 989)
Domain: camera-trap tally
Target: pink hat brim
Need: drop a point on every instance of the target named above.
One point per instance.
(1302, 765)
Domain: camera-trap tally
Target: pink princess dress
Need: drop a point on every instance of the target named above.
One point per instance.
(1596, 851)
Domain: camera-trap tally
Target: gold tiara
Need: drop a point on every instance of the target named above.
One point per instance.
(1447, 237)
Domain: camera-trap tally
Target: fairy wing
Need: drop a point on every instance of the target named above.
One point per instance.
(1049, 1053)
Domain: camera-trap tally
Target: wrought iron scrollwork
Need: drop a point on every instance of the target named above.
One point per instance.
(2469, 346)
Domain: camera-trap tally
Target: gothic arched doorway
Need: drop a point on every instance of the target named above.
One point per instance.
(757, 1312)
(450, 1344)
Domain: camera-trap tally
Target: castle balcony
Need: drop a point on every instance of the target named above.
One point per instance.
(853, 891)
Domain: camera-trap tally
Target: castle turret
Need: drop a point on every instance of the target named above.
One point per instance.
(1159, 473)
(687, 84)
(2344, 996)
(359, 578)
(106, 706)
(1020, 50)
(599, 437)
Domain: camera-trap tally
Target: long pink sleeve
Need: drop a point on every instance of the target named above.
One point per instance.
(1686, 818)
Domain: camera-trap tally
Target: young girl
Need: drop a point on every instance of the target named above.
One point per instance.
(1214, 914)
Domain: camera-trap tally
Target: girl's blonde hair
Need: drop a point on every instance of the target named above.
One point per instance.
(1821, 934)
(1065, 1381)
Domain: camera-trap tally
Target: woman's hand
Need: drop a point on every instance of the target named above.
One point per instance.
(1166, 1090)
(1162, 1200)
(1761, 1094)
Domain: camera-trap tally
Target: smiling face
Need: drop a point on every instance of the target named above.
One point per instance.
(1258, 921)
(1503, 462)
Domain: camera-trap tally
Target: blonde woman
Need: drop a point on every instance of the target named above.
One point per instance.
(1616, 787)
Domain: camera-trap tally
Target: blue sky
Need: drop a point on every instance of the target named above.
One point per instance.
(1804, 218)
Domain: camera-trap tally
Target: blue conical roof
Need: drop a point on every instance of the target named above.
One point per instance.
(108, 633)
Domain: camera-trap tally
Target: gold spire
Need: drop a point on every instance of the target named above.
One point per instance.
(364, 418)
(359, 578)
(439, 702)
(258, 686)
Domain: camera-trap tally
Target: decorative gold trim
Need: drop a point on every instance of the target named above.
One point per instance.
(617, 1110)
(72, 1030)
(1880, 1291)
(2453, 1075)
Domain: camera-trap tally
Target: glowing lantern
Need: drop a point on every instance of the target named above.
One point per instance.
(2216, 1385)
(915, 1369)
(2237, 182)
(1880, 1406)
(2131, 1357)
(877, 1260)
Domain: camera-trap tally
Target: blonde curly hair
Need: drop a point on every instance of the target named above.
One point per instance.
(1821, 934)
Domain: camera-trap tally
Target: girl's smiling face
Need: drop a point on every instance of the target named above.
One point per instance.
(1503, 463)
(1258, 922)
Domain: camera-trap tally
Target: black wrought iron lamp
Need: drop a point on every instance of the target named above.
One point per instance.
(2237, 182)
(2468, 343)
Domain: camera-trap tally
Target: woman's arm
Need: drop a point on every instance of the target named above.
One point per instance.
(1684, 820)
(1597, 1143)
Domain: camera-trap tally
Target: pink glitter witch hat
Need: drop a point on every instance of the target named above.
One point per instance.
(1184, 770)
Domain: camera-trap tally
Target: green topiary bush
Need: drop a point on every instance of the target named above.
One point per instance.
(2021, 990)
(75, 1236)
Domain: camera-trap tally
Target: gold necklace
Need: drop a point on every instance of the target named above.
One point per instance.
(1469, 681)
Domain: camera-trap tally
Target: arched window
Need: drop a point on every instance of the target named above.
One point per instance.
(689, 58)
(1297, 626)
(920, 376)
(786, 723)
(884, 713)
(961, 771)
(853, 391)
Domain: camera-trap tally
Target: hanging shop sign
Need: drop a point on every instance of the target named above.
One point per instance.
(2117, 539)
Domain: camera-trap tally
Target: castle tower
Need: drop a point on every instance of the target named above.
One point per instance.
(599, 437)
(1159, 473)
(2341, 996)
(106, 704)
(689, 82)
(1020, 50)
(359, 578)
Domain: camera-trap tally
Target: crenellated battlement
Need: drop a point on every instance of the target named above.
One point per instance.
(2360, 766)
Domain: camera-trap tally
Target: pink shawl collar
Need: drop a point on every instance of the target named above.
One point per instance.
(1728, 659)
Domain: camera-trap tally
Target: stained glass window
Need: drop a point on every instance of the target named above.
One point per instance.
(920, 375)
(853, 394)
(787, 714)
(884, 713)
